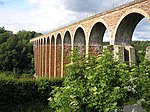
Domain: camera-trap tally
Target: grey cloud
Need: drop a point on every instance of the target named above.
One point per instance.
(92, 6)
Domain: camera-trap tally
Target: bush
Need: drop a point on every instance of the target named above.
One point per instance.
(15, 92)
(100, 84)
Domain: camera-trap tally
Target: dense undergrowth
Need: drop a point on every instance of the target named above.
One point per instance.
(102, 84)
(91, 84)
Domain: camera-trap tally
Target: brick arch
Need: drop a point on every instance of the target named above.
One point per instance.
(100, 21)
(58, 54)
(71, 34)
(52, 56)
(76, 28)
(95, 36)
(127, 24)
(66, 48)
(79, 39)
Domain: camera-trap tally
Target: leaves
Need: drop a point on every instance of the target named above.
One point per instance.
(16, 52)
(101, 84)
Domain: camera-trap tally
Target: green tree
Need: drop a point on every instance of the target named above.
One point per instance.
(16, 52)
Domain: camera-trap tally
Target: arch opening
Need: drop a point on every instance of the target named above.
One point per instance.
(141, 32)
(58, 55)
(141, 40)
(52, 56)
(130, 30)
(126, 28)
(98, 37)
(66, 49)
(79, 40)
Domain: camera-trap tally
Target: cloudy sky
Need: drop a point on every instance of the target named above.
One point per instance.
(45, 15)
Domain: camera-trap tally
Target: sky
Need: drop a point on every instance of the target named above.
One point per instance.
(46, 15)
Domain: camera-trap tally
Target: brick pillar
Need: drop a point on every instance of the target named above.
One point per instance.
(52, 60)
(131, 54)
(49, 62)
(46, 59)
(43, 59)
(58, 60)
(62, 63)
(66, 53)
(38, 58)
(95, 50)
(119, 52)
(55, 60)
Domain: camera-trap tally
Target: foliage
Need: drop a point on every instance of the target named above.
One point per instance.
(31, 106)
(16, 93)
(16, 52)
(140, 47)
(100, 84)
(142, 82)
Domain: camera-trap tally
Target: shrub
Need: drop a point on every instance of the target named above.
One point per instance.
(14, 92)
(100, 84)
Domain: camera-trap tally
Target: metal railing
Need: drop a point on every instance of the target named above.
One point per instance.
(101, 11)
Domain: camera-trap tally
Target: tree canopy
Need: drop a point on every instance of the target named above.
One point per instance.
(16, 52)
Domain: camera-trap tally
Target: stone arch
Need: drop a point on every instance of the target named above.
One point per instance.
(96, 35)
(52, 56)
(80, 39)
(58, 55)
(66, 48)
(127, 24)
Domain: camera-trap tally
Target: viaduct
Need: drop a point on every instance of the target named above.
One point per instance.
(51, 50)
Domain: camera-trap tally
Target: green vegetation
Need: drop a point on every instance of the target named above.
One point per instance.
(92, 84)
(101, 84)
(16, 52)
(140, 47)
(25, 95)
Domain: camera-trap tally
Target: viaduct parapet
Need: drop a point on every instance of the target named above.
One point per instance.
(51, 49)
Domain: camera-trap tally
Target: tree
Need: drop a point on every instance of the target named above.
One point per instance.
(16, 52)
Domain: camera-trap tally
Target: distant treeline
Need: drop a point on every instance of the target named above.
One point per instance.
(140, 45)
(16, 52)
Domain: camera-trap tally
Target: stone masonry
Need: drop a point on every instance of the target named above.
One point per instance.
(51, 50)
